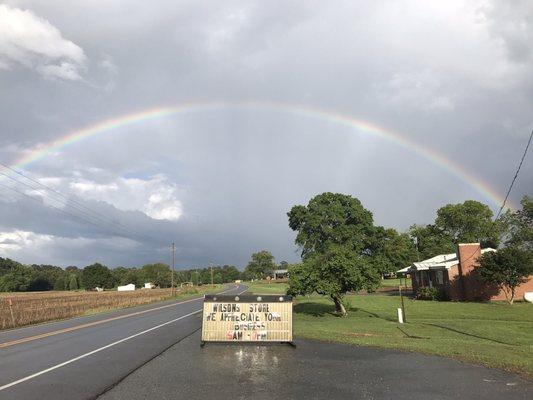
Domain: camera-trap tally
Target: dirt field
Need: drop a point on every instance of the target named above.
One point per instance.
(36, 307)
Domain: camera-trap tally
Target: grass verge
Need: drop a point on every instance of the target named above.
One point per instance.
(262, 287)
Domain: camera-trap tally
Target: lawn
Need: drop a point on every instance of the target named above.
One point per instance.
(396, 282)
(492, 334)
(263, 287)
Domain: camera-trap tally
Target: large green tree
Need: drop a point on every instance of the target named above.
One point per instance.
(261, 263)
(338, 240)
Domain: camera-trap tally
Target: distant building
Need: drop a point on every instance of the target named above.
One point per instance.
(279, 274)
(126, 288)
(455, 275)
(149, 285)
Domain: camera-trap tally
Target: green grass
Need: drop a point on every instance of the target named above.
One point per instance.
(263, 287)
(492, 334)
(395, 282)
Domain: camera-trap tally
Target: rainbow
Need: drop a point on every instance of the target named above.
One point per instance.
(355, 124)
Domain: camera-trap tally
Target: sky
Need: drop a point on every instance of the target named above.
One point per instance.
(449, 82)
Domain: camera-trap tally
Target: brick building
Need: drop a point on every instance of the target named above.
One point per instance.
(455, 275)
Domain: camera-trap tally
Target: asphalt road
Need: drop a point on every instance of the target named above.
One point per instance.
(83, 363)
(155, 354)
(311, 370)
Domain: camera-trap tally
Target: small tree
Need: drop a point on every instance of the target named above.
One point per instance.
(520, 226)
(507, 269)
(333, 273)
(390, 250)
(73, 282)
(261, 263)
(229, 273)
(97, 275)
(158, 274)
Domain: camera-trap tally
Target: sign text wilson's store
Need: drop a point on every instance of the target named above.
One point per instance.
(247, 318)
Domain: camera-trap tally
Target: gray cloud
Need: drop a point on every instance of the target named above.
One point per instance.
(463, 89)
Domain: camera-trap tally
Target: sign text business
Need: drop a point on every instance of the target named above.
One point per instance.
(247, 318)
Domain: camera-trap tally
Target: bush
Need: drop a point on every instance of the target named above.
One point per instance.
(430, 293)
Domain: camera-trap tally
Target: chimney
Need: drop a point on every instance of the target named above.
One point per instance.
(468, 254)
(468, 257)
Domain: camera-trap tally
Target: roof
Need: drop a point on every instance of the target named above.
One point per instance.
(403, 270)
(442, 261)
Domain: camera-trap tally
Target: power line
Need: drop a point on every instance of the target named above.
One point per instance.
(68, 199)
(52, 206)
(515, 175)
(86, 215)
(96, 221)
(45, 194)
(79, 218)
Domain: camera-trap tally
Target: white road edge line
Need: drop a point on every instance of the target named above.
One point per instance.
(44, 371)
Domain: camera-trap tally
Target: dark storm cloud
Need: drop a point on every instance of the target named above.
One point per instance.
(463, 88)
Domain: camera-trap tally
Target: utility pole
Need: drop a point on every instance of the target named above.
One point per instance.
(173, 266)
(212, 283)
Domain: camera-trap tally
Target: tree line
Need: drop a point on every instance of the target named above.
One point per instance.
(17, 277)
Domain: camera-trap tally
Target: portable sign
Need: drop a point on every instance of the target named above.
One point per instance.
(248, 318)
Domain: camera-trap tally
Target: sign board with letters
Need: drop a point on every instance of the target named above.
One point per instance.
(247, 318)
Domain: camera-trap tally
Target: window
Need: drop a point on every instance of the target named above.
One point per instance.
(440, 277)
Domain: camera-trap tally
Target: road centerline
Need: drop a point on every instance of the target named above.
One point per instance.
(94, 323)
